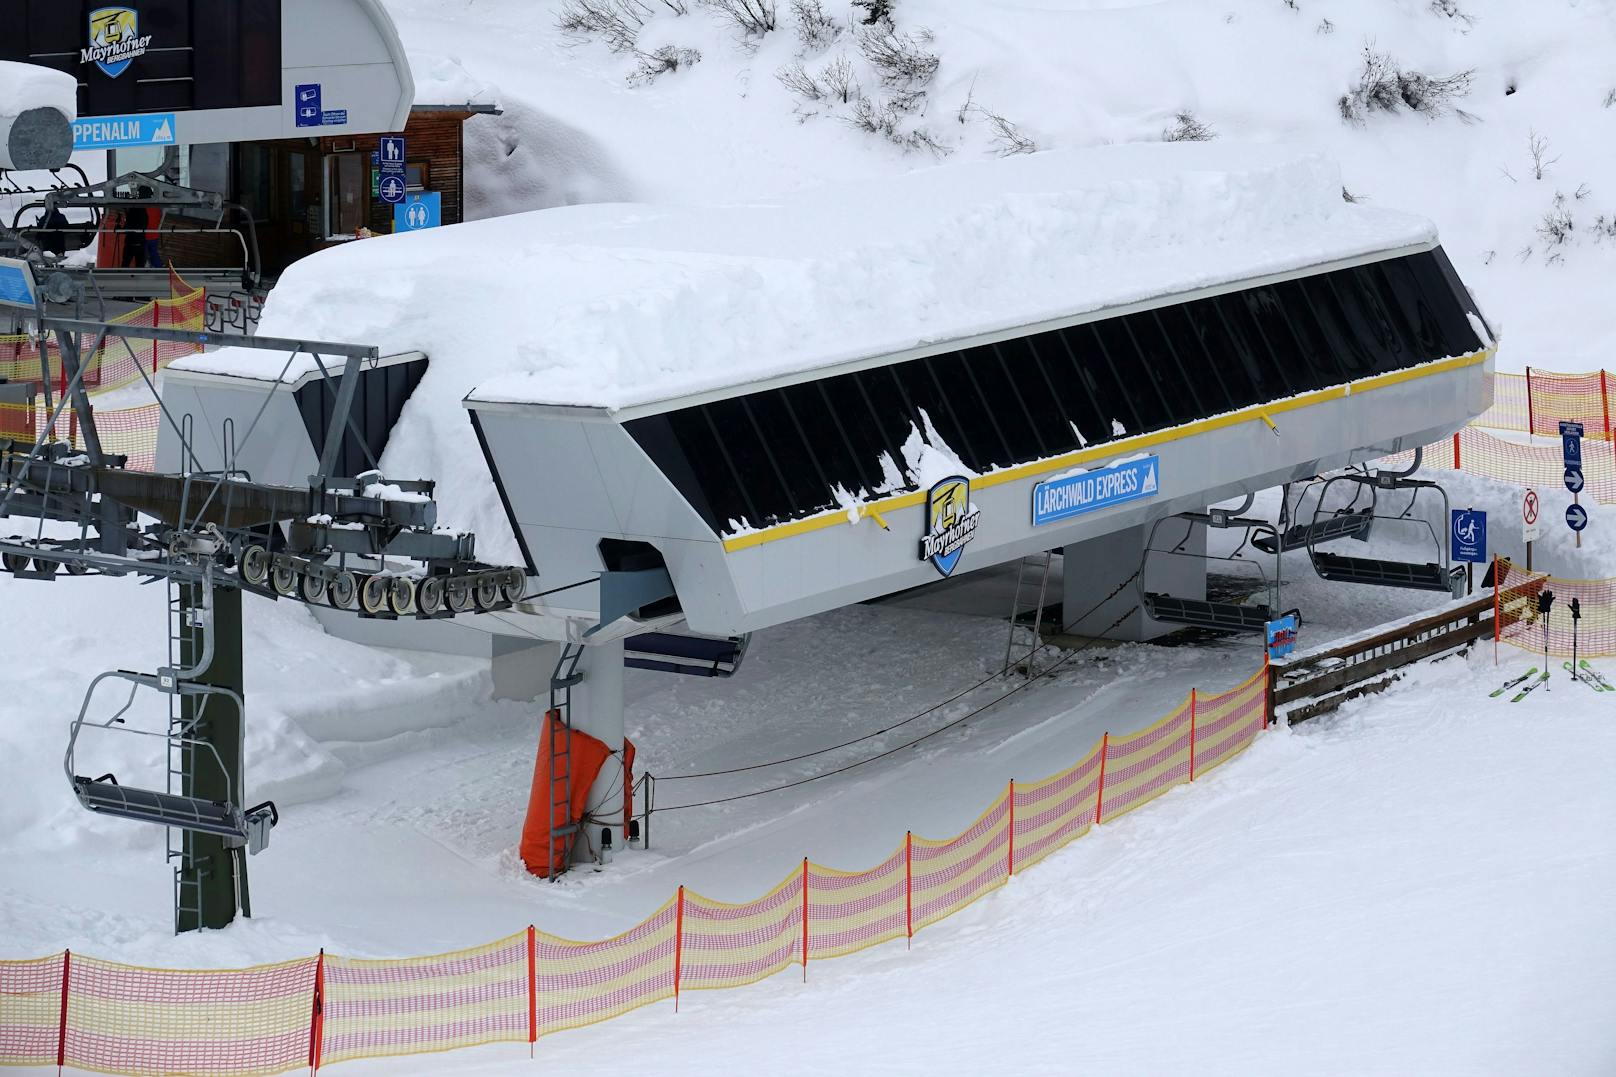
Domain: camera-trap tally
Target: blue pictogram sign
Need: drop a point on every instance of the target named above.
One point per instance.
(1282, 635)
(1469, 535)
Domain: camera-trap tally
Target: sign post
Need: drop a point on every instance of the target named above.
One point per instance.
(1571, 448)
(1469, 537)
(1531, 523)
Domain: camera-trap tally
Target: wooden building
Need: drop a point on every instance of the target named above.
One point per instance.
(302, 194)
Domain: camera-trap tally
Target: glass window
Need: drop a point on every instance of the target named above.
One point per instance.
(344, 194)
(417, 174)
(147, 160)
(206, 168)
(252, 180)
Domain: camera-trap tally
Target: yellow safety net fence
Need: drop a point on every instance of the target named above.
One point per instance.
(96, 1015)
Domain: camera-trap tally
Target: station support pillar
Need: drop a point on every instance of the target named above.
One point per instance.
(597, 710)
(1091, 570)
(211, 879)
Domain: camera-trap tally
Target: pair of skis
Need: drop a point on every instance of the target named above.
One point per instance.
(1585, 673)
(1516, 682)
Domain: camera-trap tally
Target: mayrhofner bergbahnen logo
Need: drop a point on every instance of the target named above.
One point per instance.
(950, 523)
(114, 40)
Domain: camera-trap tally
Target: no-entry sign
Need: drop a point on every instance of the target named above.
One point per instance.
(1531, 517)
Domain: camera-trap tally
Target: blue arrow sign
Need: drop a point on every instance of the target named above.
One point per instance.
(1469, 535)
(1576, 517)
(1574, 480)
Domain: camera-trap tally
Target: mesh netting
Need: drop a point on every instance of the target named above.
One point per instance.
(1226, 724)
(1143, 766)
(125, 1019)
(1056, 810)
(420, 1004)
(851, 910)
(949, 875)
(732, 945)
(30, 1011)
(1518, 621)
(119, 362)
(1539, 400)
(580, 983)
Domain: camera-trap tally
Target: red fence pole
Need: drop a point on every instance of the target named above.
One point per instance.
(1604, 398)
(1456, 451)
(1012, 865)
(1268, 686)
(909, 886)
(805, 919)
(1531, 416)
(61, 1028)
(1099, 797)
(678, 946)
(532, 990)
(317, 1015)
(1498, 626)
(1192, 734)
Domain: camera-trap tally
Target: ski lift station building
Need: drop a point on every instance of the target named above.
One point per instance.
(738, 416)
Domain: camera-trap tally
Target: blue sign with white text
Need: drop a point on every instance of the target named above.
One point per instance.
(421, 211)
(334, 117)
(122, 132)
(1282, 635)
(390, 165)
(1089, 491)
(16, 284)
(1571, 435)
(307, 104)
(1469, 536)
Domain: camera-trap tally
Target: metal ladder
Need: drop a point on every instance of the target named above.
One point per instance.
(566, 675)
(182, 640)
(1038, 617)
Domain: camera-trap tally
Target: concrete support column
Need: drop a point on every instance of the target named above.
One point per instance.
(597, 709)
(522, 668)
(1094, 568)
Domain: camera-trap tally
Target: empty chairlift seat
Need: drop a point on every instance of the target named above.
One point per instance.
(1302, 536)
(1198, 613)
(693, 656)
(1411, 577)
(105, 796)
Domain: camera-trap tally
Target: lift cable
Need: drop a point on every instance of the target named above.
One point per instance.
(913, 718)
(909, 744)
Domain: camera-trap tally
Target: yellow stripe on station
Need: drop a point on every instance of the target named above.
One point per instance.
(1112, 449)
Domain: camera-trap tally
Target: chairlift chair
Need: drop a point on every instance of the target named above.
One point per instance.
(241, 827)
(1437, 576)
(1205, 613)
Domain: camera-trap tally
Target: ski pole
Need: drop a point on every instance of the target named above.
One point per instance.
(1545, 603)
(1576, 616)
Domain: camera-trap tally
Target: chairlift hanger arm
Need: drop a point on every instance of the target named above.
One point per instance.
(219, 340)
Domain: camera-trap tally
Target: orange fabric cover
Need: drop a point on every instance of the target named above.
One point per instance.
(539, 851)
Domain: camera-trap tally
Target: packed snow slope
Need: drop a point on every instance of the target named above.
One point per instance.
(580, 126)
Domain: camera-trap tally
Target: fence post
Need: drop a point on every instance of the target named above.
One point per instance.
(61, 1027)
(805, 919)
(1011, 867)
(1268, 688)
(1192, 734)
(1531, 415)
(909, 886)
(532, 990)
(678, 946)
(317, 1015)
(1498, 626)
(1604, 399)
(1456, 451)
(1099, 797)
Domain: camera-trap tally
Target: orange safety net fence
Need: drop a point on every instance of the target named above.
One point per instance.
(328, 1009)
(1517, 620)
(1538, 465)
(1539, 400)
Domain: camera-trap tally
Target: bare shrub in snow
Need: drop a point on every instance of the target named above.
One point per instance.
(1538, 147)
(1325, 27)
(1604, 227)
(840, 80)
(885, 118)
(797, 81)
(1008, 138)
(1450, 9)
(1187, 127)
(875, 11)
(617, 22)
(1557, 226)
(816, 29)
(1384, 86)
(1610, 99)
(753, 18)
(667, 59)
(900, 59)
(1348, 196)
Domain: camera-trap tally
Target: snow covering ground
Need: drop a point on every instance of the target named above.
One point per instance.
(1417, 885)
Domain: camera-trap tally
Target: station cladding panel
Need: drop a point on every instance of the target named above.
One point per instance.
(1064, 432)
(218, 70)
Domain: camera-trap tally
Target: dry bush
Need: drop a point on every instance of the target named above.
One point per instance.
(663, 61)
(1384, 86)
(1187, 127)
(816, 29)
(900, 59)
(753, 18)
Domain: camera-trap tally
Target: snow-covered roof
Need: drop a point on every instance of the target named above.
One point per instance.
(616, 306)
(443, 82)
(29, 86)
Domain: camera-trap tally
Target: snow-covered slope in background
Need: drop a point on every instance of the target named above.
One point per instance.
(1082, 73)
